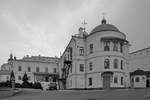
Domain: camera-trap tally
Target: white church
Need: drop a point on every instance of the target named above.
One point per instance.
(96, 60)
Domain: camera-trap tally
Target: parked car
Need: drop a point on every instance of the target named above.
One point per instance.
(53, 86)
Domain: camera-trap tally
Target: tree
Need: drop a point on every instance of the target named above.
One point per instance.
(25, 83)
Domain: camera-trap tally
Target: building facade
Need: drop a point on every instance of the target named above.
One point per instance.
(37, 68)
(95, 60)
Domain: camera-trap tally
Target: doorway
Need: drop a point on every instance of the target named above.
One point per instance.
(107, 80)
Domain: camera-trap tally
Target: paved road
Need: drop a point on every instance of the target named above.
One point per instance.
(27, 94)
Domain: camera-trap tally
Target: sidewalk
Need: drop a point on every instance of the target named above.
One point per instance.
(7, 92)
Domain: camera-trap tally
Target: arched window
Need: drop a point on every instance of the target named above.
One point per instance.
(106, 64)
(115, 63)
(115, 48)
(137, 79)
(106, 47)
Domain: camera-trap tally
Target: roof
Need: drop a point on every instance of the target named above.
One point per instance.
(105, 27)
(140, 72)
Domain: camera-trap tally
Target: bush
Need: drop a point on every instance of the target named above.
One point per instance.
(5, 84)
(37, 85)
(18, 85)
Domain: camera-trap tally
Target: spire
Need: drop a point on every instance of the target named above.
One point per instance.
(103, 20)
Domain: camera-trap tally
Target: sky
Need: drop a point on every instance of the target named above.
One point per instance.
(33, 27)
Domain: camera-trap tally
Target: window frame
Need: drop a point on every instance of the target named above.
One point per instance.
(121, 65)
(121, 80)
(81, 67)
(29, 69)
(116, 63)
(115, 47)
(90, 81)
(90, 66)
(106, 46)
(81, 51)
(91, 46)
(106, 64)
(115, 79)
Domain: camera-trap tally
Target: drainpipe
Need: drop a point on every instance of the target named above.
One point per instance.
(85, 53)
(75, 63)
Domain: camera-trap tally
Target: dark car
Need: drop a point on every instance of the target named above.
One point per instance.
(52, 86)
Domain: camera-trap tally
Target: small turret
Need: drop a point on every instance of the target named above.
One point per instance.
(103, 21)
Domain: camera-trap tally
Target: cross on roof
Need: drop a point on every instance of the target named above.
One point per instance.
(103, 15)
(84, 25)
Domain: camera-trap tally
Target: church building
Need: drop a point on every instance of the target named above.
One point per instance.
(95, 60)
(38, 69)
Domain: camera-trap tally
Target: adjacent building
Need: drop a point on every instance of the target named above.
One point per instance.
(95, 60)
(38, 68)
(140, 79)
(139, 66)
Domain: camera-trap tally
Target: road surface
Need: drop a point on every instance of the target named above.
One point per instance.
(118, 94)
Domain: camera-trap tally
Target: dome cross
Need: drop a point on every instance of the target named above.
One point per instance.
(84, 25)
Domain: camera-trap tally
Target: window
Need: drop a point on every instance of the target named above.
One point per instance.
(91, 48)
(90, 81)
(121, 65)
(90, 66)
(115, 48)
(54, 70)
(37, 69)
(81, 51)
(121, 47)
(115, 63)
(121, 80)
(106, 64)
(29, 69)
(115, 80)
(46, 70)
(19, 77)
(137, 79)
(81, 67)
(106, 47)
(19, 68)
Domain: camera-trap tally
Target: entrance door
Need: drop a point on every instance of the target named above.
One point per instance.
(106, 81)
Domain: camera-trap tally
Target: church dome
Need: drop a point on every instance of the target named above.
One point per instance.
(104, 27)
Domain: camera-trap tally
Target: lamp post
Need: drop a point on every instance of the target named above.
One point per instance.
(12, 79)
